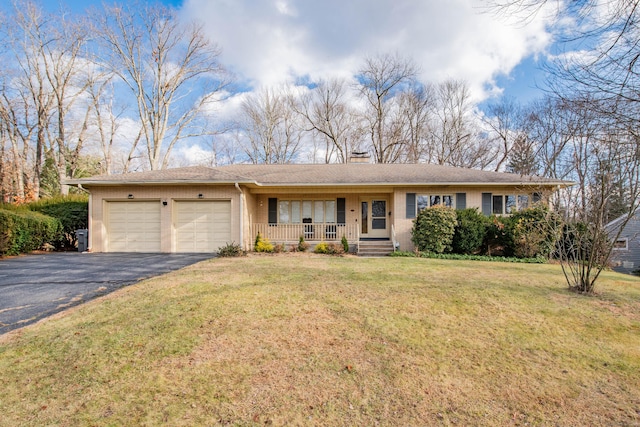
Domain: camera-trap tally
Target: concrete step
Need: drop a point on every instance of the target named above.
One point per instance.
(375, 248)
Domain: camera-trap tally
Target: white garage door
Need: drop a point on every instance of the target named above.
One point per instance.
(133, 226)
(202, 226)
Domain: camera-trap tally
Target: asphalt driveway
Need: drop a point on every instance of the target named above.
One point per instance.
(33, 287)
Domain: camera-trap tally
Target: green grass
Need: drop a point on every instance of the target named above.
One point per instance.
(300, 339)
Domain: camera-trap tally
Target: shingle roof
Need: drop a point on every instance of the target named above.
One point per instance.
(193, 174)
(379, 174)
(323, 174)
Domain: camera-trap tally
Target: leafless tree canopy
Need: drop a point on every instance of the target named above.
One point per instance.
(62, 98)
(270, 127)
(587, 129)
(161, 61)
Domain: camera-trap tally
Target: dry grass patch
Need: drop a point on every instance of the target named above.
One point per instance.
(314, 340)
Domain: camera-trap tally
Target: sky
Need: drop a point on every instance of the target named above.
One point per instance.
(267, 42)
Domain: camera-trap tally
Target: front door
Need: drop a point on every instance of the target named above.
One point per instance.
(373, 218)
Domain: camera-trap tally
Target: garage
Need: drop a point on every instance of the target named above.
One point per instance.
(202, 226)
(133, 226)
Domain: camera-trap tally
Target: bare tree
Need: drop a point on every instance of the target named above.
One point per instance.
(602, 44)
(268, 128)
(25, 39)
(381, 79)
(600, 71)
(105, 120)
(60, 50)
(170, 68)
(601, 156)
(45, 82)
(587, 243)
(416, 104)
(327, 112)
(506, 121)
(453, 135)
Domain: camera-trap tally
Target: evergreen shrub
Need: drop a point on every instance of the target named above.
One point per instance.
(433, 229)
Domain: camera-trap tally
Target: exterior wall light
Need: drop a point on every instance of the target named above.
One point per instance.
(130, 196)
(200, 196)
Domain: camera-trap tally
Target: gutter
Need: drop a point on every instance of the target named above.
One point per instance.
(241, 215)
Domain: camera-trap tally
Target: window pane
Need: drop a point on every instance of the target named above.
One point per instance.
(283, 211)
(620, 244)
(378, 223)
(365, 217)
(295, 212)
(435, 200)
(511, 204)
(318, 211)
(523, 201)
(422, 202)
(379, 208)
(447, 201)
(330, 211)
(497, 205)
(306, 209)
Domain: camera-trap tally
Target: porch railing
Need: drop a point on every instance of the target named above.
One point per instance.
(393, 238)
(282, 233)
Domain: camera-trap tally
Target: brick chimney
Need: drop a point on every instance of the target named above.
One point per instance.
(359, 157)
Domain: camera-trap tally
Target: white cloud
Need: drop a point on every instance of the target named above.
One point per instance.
(267, 42)
(192, 155)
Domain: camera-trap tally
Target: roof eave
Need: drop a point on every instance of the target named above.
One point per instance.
(162, 182)
(413, 184)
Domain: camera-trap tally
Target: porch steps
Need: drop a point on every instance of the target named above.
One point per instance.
(375, 248)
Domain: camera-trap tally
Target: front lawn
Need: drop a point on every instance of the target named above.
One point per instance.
(316, 340)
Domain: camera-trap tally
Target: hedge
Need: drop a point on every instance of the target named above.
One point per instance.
(73, 213)
(23, 231)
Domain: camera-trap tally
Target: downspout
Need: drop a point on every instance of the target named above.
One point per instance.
(89, 219)
(241, 215)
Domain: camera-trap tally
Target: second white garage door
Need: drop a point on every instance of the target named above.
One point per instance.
(202, 226)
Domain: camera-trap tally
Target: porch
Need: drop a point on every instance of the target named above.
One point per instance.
(312, 232)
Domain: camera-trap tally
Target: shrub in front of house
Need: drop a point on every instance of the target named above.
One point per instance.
(329, 248)
(231, 250)
(469, 231)
(498, 239)
(262, 244)
(23, 231)
(433, 229)
(535, 232)
(345, 244)
(303, 246)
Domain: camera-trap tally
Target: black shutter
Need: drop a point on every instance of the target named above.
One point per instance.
(461, 200)
(273, 210)
(411, 205)
(341, 205)
(486, 204)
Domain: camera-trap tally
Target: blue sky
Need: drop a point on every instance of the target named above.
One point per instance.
(266, 42)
